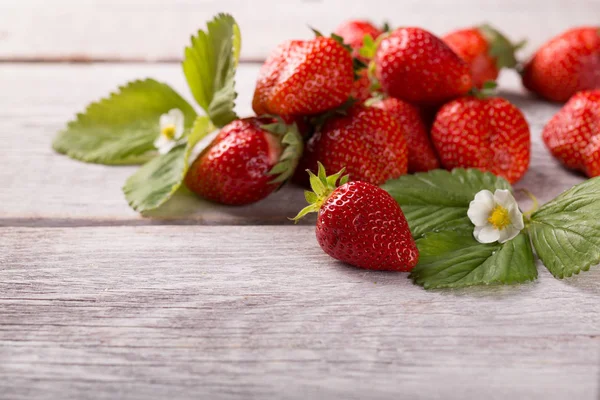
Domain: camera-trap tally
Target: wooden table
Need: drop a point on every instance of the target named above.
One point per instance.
(211, 302)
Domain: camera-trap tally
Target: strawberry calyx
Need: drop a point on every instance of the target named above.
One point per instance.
(487, 90)
(319, 120)
(368, 51)
(322, 187)
(357, 64)
(500, 47)
(292, 148)
(369, 47)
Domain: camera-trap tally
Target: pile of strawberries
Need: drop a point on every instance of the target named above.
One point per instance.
(382, 104)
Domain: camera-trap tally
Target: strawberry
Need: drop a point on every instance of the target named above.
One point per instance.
(490, 134)
(485, 49)
(416, 66)
(361, 88)
(304, 77)
(573, 134)
(566, 64)
(421, 155)
(367, 141)
(360, 224)
(353, 33)
(248, 159)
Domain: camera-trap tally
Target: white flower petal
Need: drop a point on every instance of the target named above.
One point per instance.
(486, 198)
(160, 141)
(177, 119)
(504, 234)
(504, 198)
(166, 146)
(508, 233)
(516, 217)
(481, 207)
(486, 234)
(478, 214)
(165, 120)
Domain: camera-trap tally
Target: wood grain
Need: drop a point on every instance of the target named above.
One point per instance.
(262, 312)
(86, 30)
(41, 188)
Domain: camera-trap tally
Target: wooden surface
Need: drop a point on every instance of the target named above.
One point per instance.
(95, 306)
(262, 312)
(153, 30)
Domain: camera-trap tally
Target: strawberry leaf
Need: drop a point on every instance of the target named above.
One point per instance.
(156, 181)
(209, 66)
(566, 231)
(438, 199)
(121, 128)
(454, 259)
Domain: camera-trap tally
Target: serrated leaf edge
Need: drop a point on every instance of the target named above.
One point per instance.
(132, 160)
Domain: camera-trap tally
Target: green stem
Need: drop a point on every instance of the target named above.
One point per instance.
(536, 204)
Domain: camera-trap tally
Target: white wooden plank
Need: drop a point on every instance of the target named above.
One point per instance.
(38, 186)
(261, 312)
(159, 29)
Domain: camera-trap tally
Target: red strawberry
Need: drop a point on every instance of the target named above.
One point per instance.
(360, 224)
(565, 65)
(354, 31)
(485, 49)
(367, 141)
(415, 65)
(421, 155)
(304, 77)
(361, 88)
(573, 134)
(490, 134)
(247, 161)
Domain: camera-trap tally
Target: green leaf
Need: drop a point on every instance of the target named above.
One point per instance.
(121, 129)
(453, 259)
(566, 231)
(292, 145)
(369, 47)
(500, 47)
(438, 199)
(209, 66)
(155, 182)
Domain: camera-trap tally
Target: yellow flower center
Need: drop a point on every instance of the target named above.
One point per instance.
(499, 218)
(168, 131)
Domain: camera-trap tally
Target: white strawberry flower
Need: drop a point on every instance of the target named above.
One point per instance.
(496, 216)
(171, 130)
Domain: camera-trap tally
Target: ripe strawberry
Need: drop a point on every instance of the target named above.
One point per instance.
(490, 134)
(421, 155)
(360, 224)
(416, 66)
(367, 141)
(485, 49)
(304, 77)
(361, 88)
(573, 134)
(354, 31)
(566, 64)
(248, 159)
